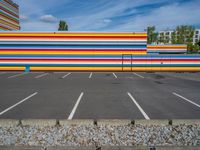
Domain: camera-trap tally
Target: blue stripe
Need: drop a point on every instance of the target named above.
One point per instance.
(105, 65)
(72, 46)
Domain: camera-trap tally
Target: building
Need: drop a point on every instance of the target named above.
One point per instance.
(9, 15)
(196, 37)
(166, 36)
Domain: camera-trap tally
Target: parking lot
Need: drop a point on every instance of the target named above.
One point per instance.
(98, 95)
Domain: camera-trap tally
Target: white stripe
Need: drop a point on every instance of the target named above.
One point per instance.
(114, 75)
(90, 76)
(75, 107)
(1, 113)
(2, 72)
(18, 75)
(138, 106)
(138, 75)
(187, 99)
(65, 75)
(39, 76)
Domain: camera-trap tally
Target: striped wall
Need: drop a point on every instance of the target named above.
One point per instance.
(166, 49)
(86, 52)
(9, 15)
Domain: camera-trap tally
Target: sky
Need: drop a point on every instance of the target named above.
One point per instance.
(108, 15)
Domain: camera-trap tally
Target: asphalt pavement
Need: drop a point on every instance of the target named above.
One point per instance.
(98, 95)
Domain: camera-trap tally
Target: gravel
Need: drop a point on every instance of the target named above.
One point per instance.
(101, 135)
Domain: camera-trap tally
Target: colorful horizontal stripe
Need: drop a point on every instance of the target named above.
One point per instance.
(166, 49)
(89, 52)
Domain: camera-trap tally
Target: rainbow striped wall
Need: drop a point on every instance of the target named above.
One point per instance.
(86, 52)
(9, 15)
(166, 49)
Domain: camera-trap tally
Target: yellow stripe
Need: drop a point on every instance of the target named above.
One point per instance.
(12, 68)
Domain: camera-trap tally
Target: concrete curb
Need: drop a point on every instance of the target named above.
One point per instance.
(9, 122)
(151, 122)
(177, 148)
(124, 148)
(69, 148)
(113, 122)
(20, 148)
(65, 122)
(186, 121)
(39, 122)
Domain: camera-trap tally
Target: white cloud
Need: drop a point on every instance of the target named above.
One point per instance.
(48, 18)
(107, 20)
(168, 16)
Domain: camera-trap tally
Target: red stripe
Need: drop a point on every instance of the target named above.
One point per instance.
(99, 37)
(9, 12)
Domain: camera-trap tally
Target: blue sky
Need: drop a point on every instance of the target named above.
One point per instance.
(108, 15)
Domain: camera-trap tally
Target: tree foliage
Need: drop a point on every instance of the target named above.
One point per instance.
(63, 26)
(183, 34)
(152, 34)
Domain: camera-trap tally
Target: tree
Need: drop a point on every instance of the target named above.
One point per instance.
(152, 35)
(63, 26)
(183, 34)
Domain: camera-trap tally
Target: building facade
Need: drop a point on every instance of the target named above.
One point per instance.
(9, 15)
(166, 36)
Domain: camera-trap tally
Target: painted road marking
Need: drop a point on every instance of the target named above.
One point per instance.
(39, 76)
(90, 76)
(1, 113)
(17, 75)
(66, 75)
(2, 73)
(114, 75)
(187, 99)
(138, 75)
(75, 107)
(138, 106)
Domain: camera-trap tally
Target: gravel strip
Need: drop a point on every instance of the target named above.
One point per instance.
(101, 135)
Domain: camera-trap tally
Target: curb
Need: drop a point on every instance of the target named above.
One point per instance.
(65, 122)
(39, 122)
(186, 121)
(151, 122)
(20, 148)
(124, 148)
(69, 148)
(9, 122)
(177, 148)
(114, 122)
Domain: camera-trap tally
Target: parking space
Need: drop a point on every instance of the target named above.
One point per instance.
(98, 95)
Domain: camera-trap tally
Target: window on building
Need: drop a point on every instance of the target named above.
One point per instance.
(197, 32)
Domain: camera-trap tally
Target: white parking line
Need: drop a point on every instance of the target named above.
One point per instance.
(17, 75)
(39, 76)
(75, 107)
(66, 75)
(90, 76)
(1, 113)
(138, 75)
(186, 99)
(114, 75)
(138, 106)
(2, 73)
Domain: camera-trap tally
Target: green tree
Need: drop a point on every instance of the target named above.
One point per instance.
(152, 35)
(63, 26)
(183, 34)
